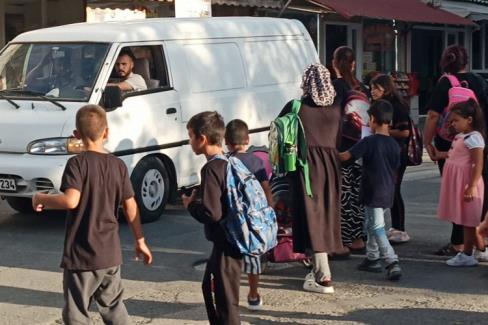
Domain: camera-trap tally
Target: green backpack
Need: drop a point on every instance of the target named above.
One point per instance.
(288, 145)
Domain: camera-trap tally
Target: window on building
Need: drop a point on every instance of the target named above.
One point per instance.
(335, 36)
(479, 48)
(378, 47)
(476, 50)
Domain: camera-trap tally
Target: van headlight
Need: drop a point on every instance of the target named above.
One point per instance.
(55, 146)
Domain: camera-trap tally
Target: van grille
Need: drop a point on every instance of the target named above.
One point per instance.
(43, 184)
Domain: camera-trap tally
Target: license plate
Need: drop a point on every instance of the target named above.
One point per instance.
(8, 184)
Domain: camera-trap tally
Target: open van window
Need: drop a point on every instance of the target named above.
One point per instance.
(140, 69)
(65, 71)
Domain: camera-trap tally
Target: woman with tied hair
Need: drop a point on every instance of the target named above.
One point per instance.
(453, 62)
(352, 210)
(316, 218)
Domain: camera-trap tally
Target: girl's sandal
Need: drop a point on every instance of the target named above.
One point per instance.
(447, 250)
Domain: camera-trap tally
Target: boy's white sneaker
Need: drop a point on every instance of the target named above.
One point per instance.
(311, 285)
(480, 255)
(390, 232)
(399, 237)
(462, 259)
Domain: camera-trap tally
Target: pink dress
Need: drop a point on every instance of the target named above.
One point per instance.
(456, 176)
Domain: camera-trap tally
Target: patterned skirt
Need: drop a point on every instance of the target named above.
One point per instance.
(352, 211)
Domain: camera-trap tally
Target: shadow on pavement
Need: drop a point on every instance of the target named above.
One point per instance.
(407, 316)
(187, 311)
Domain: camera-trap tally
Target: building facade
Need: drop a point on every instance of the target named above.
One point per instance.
(18, 16)
(401, 37)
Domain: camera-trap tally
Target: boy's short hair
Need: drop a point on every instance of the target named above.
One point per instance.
(91, 121)
(209, 124)
(236, 132)
(382, 111)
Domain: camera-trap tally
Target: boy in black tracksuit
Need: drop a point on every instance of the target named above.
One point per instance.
(206, 132)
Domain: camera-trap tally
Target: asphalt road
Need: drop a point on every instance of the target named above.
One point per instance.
(168, 292)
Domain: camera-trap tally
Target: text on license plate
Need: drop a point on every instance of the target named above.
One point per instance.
(7, 184)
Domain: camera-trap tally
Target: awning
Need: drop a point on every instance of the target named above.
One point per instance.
(472, 11)
(276, 4)
(402, 10)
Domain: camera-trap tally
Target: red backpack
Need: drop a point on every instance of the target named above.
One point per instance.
(459, 92)
(355, 115)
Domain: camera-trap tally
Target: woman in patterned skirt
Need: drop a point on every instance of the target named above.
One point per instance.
(352, 211)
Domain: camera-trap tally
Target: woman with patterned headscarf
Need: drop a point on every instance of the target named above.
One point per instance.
(316, 218)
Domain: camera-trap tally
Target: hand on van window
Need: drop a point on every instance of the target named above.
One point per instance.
(124, 86)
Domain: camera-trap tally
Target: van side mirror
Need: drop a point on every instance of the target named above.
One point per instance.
(112, 98)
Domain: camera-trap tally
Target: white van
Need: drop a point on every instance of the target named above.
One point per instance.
(242, 67)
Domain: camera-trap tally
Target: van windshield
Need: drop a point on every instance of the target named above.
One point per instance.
(64, 71)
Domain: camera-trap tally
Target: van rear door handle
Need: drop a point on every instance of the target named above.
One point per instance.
(170, 110)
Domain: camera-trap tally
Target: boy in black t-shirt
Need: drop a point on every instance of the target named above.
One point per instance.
(381, 159)
(237, 140)
(206, 132)
(94, 184)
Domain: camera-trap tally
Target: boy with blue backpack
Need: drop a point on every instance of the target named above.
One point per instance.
(228, 196)
(237, 140)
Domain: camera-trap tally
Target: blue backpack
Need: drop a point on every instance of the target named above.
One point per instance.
(250, 224)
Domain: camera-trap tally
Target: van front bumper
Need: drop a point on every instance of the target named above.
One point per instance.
(32, 173)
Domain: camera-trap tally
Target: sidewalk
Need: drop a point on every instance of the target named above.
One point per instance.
(169, 292)
(429, 293)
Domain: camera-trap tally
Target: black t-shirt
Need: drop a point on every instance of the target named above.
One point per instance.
(381, 159)
(211, 206)
(254, 164)
(92, 231)
(401, 119)
(440, 99)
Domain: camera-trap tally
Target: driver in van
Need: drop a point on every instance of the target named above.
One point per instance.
(127, 80)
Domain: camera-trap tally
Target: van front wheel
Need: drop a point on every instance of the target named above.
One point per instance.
(151, 186)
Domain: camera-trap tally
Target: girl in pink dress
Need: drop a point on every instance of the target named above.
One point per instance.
(461, 194)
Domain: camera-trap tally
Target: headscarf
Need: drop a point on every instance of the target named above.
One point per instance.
(317, 85)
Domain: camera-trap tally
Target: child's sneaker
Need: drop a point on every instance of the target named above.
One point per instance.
(311, 285)
(393, 271)
(399, 237)
(370, 266)
(390, 232)
(254, 304)
(461, 259)
(481, 256)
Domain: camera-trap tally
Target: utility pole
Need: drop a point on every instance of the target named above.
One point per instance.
(2, 23)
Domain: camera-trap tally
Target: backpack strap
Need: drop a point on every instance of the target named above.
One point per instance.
(452, 79)
(295, 108)
(219, 156)
(302, 154)
(302, 160)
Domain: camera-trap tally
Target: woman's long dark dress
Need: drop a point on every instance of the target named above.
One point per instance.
(316, 222)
